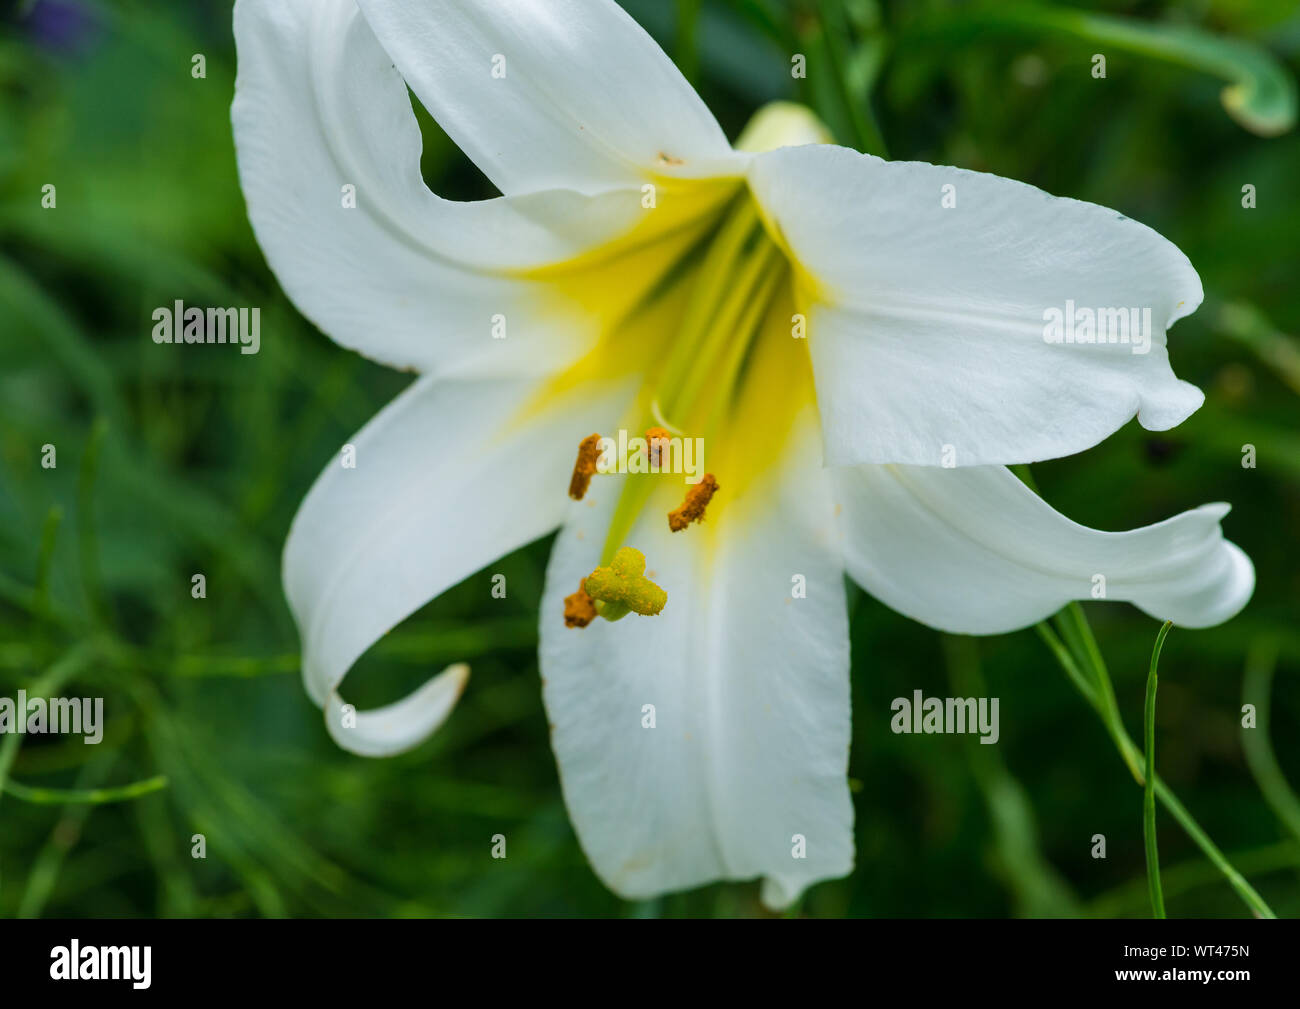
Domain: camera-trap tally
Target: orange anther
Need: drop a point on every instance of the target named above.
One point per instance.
(658, 441)
(692, 509)
(585, 466)
(579, 608)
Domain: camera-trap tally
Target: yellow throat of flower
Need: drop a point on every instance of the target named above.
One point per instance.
(700, 302)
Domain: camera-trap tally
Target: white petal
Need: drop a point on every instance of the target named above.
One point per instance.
(403, 276)
(581, 98)
(447, 478)
(750, 689)
(401, 726)
(926, 322)
(974, 551)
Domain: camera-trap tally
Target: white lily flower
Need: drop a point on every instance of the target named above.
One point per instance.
(861, 357)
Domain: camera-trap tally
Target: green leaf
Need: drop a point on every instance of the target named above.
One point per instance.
(1260, 94)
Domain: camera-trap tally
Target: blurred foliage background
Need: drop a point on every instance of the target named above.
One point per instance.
(174, 461)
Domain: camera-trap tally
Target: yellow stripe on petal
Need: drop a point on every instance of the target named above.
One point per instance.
(697, 304)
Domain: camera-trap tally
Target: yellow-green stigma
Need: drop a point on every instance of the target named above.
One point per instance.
(621, 587)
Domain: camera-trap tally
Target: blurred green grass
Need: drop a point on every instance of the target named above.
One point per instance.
(176, 462)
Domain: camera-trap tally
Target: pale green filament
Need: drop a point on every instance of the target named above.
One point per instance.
(737, 279)
(693, 384)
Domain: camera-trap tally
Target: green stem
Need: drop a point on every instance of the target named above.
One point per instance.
(1187, 876)
(45, 563)
(1260, 92)
(1149, 788)
(1235, 879)
(93, 796)
(867, 133)
(58, 674)
(1039, 890)
(688, 39)
(42, 620)
(67, 831)
(1093, 654)
(1073, 626)
(1067, 662)
(1134, 758)
(1257, 685)
(87, 542)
